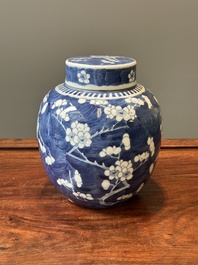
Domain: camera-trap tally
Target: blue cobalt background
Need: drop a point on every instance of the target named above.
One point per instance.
(101, 77)
(101, 60)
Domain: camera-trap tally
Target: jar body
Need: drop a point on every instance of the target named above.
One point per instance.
(99, 147)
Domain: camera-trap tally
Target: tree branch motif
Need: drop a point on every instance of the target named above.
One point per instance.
(78, 135)
(85, 160)
(108, 130)
(113, 192)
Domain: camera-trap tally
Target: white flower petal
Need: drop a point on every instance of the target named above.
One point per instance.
(89, 197)
(102, 154)
(105, 184)
(49, 160)
(82, 100)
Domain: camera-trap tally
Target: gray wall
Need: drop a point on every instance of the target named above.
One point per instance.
(36, 36)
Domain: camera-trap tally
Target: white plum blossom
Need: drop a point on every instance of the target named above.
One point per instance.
(98, 101)
(59, 102)
(112, 173)
(49, 160)
(135, 101)
(78, 135)
(122, 171)
(151, 144)
(125, 197)
(127, 113)
(63, 114)
(126, 141)
(78, 178)
(131, 76)
(82, 100)
(110, 150)
(112, 111)
(141, 157)
(65, 183)
(83, 77)
(86, 196)
(126, 168)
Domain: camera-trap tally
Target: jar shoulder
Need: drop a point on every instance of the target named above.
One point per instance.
(137, 96)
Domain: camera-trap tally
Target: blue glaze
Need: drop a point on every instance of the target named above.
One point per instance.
(102, 60)
(101, 71)
(99, 147)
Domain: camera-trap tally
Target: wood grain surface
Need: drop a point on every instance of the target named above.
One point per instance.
(39, 226)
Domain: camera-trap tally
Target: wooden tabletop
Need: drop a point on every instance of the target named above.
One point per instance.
(39, 226)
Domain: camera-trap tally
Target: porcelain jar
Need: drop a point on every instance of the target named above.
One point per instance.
(99, 132)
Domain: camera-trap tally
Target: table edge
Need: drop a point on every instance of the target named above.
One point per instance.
(32, 143)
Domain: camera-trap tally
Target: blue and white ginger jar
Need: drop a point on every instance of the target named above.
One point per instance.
(99, 133)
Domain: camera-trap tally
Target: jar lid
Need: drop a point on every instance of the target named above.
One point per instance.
(101, 72)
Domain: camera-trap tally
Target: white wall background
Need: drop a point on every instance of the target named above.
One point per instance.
(37, 36)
